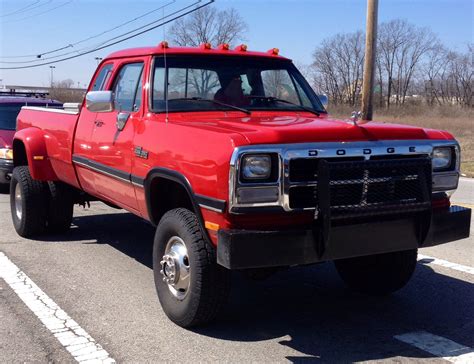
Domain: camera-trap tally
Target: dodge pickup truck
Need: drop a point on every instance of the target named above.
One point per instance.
(234, 159)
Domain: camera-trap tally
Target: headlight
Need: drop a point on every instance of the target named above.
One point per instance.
(257, 166)
(442, 158)
(6, 153)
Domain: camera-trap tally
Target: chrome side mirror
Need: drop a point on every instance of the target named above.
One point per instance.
(100, 101)
(324, 100)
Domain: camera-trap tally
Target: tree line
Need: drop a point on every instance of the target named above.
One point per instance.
(412, 65)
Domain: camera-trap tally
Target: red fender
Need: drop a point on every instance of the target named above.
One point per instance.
(36, 153)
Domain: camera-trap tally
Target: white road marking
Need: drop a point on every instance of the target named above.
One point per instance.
(446, 264)
(439, 346)
(71, 336)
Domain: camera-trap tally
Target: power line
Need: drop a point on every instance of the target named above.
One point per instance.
(111, 29)
(71, 45)
(78, 51)
(31, 7)
(121, 40)
(41, 13)
(20, 10)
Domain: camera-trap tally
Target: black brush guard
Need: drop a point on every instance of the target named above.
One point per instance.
(362, 208)
(352, 191)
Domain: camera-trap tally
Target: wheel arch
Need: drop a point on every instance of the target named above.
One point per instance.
(29, 148)
(175, 190)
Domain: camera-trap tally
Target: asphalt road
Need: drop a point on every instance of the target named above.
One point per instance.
(100, 275)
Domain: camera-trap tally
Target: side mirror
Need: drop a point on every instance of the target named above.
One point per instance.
(100, 101)
(324, 100)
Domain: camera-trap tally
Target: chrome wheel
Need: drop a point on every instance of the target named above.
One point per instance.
(18, 202)
(175, 267)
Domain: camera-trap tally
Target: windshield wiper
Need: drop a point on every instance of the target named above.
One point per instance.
(241, 109)
(276, 99)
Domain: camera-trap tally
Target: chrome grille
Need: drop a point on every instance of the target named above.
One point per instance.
(361, 187)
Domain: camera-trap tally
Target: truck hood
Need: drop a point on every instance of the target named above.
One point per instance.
(6, 138)
(278, 129)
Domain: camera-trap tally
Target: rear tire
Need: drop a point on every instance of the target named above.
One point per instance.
(198, 298)
(61, 206)
(28, 203)
(379, 274)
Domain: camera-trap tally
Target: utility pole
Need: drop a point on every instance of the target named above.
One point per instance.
(369, 60)
(52, 68)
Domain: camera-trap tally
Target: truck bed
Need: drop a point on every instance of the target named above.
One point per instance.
(58, 126)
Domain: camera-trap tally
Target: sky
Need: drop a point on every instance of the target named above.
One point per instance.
(296, 27)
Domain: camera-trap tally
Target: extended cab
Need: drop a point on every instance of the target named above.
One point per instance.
(233, 157)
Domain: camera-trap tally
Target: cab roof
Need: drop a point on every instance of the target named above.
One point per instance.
(203, 49)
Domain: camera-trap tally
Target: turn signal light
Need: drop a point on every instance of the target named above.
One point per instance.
(164, 44)
(223, 47)
(205, 46)
(274, 51)
(241, 48)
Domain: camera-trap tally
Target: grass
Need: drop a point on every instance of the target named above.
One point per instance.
(457, 121)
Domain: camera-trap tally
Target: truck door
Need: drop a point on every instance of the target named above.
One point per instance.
(85, 127)
(112, 137)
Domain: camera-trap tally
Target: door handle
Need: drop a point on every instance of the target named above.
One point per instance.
(98, 123)
(122, 118)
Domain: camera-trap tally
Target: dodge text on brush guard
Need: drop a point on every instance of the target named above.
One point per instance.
(234, 159)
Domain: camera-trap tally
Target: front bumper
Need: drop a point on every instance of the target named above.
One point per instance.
(240, 249)
(6, 169)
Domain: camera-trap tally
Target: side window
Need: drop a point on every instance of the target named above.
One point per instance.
(303, 96)
(126, 85)
(277, 83)
(158, 99)
(138, 94)
(102, 78)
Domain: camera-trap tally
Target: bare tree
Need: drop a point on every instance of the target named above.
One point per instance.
(337, 65)
(401, 48)
(410, 61)
(209, 25)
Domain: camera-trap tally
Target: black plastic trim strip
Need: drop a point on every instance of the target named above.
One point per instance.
(210, 203)
(101, 168)
(137, 181)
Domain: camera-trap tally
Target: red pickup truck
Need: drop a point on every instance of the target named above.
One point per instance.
(232, 156)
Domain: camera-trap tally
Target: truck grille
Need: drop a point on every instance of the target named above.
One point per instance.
(359, 187)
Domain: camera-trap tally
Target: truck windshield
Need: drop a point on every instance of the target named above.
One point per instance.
(188, 83)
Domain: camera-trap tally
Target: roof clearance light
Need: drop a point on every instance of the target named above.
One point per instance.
(241, 48)
(223, 47)
(274, 51)
(205, 46)
(164, 44)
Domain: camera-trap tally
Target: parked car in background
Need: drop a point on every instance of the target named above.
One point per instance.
(11, 103)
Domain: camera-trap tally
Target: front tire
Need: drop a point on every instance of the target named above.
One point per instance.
(191, 286)
(28, 203)
(379, 274)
